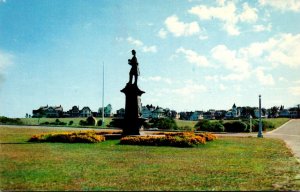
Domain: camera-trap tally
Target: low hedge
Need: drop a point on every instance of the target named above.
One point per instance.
(10, 121)
(236, 126)
(206, 125)
(69, 137)
(182, 139)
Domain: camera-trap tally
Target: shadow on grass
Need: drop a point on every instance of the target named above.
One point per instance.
(10, 143)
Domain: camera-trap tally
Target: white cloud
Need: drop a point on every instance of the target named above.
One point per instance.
(6, 60)
(231, 61)
(264, 79)
(286, 51)
(282, 49)
(227, 14)
(283, 5)
(282, 79)
(178, 28)
(194, 58)
(203, 37)
(162, 33)
(294, 91)
(157, 79)
(214, 78)
(190, 90)
(260, 28)
(151, 49)
(134, 41)
(249, 14)
(138, 43)
(222, 87)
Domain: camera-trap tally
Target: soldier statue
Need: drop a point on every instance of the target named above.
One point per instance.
(134, 68)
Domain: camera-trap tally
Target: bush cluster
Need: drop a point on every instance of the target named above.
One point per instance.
(206, 125)
(10, 121)
(56, 122)
(181, 139)
(236, 126)
(90, 121)
(164, 123)
(69, 137)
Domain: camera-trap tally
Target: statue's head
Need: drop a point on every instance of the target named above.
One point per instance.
(133, 52)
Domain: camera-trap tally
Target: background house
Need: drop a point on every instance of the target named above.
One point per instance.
(48, 111)
(107, 111)
(85, 112)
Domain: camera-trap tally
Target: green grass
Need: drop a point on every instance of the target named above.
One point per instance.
(182, 123)
(277, 121)
(37, 121)
(225, 164)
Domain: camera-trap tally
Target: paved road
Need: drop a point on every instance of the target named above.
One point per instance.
(290, 133)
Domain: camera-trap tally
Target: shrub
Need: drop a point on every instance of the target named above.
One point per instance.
(99, 123)
(69, 137)
(91, 121)
(265, 125)
(11, 121)
(164, 123)
(82, 123)
(206, 125)
(71, 122)
(235, 126)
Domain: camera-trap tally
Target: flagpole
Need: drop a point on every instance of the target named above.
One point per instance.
(103, 96)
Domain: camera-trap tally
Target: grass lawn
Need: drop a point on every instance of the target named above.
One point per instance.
(36, 121)
(182, 123)
(225, 164)
(277, 122)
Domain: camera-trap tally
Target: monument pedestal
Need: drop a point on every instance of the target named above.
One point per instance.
(132, 120)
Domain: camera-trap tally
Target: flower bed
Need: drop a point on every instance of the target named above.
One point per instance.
(69, 137)
(182, 139)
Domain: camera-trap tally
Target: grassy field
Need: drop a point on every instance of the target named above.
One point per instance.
(37, 121)
(225, 164)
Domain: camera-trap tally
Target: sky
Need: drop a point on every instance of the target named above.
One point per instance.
(192, 54)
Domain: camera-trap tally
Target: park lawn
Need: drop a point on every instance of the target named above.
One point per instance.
(37, 121)
(277, 122)
(183, 123)
(225, 164)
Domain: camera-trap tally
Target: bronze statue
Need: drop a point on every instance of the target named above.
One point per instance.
(134, 68)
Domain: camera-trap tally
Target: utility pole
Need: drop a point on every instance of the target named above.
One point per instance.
(103, 96)
(260, 122)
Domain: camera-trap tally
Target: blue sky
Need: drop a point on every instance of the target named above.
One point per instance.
(193, 55)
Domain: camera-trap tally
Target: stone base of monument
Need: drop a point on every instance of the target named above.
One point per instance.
(132, 122)
(130, 126)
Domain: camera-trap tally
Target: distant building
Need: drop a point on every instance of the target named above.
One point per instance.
(48, 111)
(234, 112)
(284, 113)
(120, 113)
(74, 112)
(196, 116)
(107, 111)
(146, 113)
(158, 113)
(85, 112)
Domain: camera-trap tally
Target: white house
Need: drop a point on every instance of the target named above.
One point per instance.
(158, 113)
(85, 112)
(233, 112)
